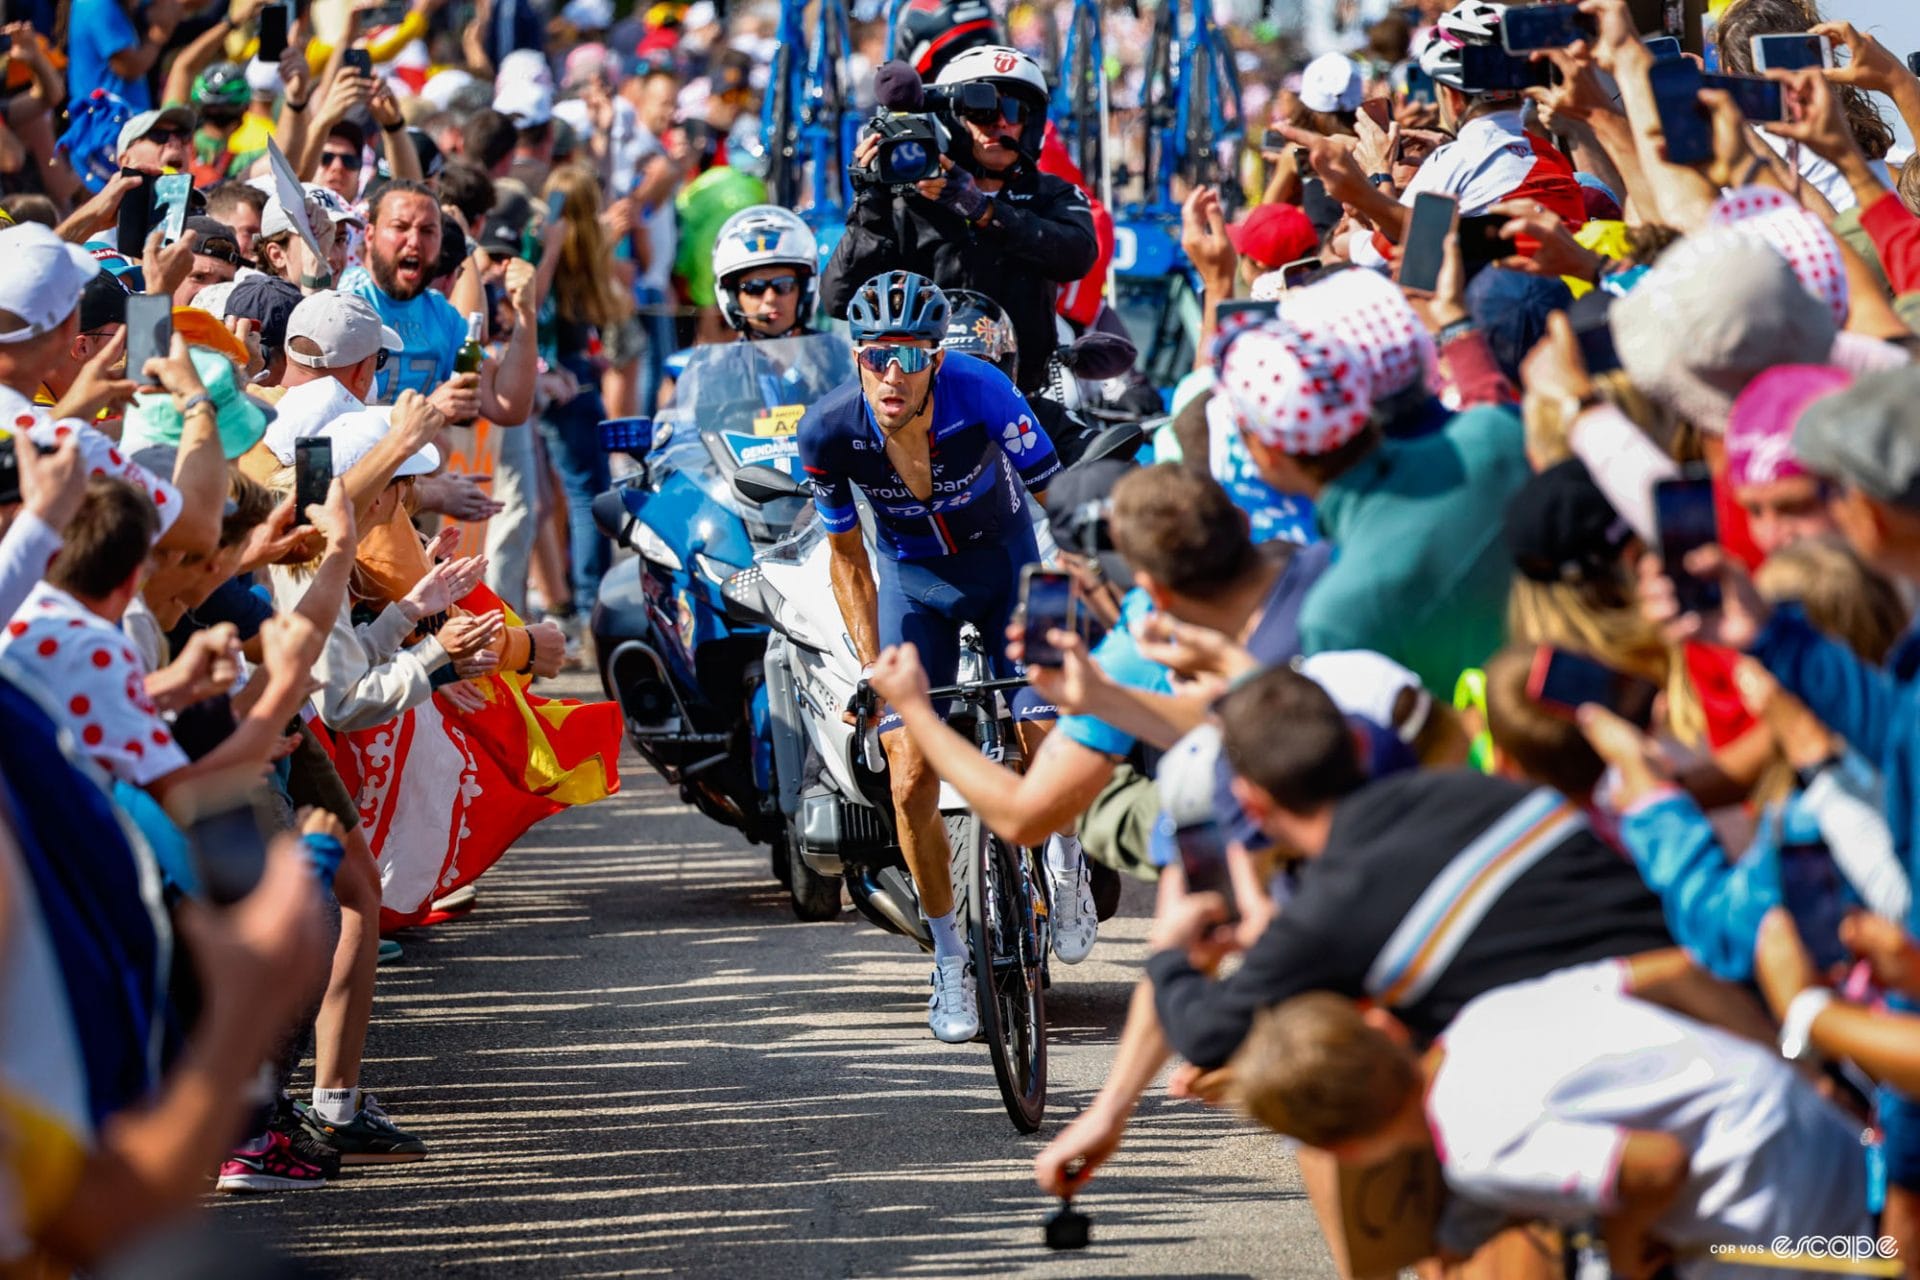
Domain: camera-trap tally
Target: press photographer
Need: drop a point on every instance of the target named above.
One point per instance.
(946, 184)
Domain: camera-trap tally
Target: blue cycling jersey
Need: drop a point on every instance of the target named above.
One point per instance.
(983, 434)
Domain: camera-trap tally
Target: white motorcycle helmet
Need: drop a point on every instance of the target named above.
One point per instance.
(764, 235)
(1012, 72)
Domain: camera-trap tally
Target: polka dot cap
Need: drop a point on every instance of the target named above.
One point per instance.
(1303, 394)
(1367, 312)
(1796, 234)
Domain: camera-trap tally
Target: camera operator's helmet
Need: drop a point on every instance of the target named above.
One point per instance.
(224, 84)
(929, 32)
(977, 326)
(901, 305)
(764, 235)
(1015, 75)
(1469, 22)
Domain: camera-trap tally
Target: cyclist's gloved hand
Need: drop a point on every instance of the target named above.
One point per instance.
(962, 195)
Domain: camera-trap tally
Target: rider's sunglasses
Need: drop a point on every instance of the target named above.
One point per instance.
(781, 285)
(910, 359)
(1011, 109)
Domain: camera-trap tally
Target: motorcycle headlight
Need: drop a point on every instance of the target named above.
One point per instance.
(652, 546)
(717, 571)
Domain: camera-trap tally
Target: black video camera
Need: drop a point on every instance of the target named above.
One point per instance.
(913, 140)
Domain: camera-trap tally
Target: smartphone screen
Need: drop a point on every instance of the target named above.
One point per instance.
(171, 190)
(1046, 603)
(10, 470)
(1791, 51)
(1274, 141)
(1683, 512)
(1203, 861)
(1596, 347)
(1564, 682)
(1419, 84)
(359, 60)
(1545, 26)
(1814, 894)
(556, 205)
(1686, 124)
(136, 219)
(312, 474)
(273, 32)
(149, 331)
(1298, 272)
(1481, 244)
(1758, 98)
(1233, 313)
(1424, 247)
(229, 851)
(1485, 69)
(1662, 47)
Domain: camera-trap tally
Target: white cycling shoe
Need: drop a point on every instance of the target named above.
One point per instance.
(952, 1013)
(1076, 923)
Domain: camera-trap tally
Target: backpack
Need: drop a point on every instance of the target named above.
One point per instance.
(92, 139)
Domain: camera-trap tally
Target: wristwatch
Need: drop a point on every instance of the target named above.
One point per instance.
(1796, 1029)
(1380, 179)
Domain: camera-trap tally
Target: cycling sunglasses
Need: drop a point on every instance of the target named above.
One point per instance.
(910, 359)
(1011, 110)
(350, 159)
(784, 286)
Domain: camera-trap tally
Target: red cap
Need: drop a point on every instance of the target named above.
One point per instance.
(1273, 235)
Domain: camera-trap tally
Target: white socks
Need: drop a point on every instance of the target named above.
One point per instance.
(947, 942)
(1063, 855)
(336, 1106)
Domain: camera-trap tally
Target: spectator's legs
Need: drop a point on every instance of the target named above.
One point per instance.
(510, 534)
(547, 572)
(340, 1032)
(659, 344)
(572, 433)
(620, 384)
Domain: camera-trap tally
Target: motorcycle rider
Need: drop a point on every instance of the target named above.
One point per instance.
(994, 222)
(934, 440)
(765, 263)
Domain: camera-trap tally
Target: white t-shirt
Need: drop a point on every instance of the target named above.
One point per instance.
(663, 231)
(103, 456)
(308, 410)
(625, 148)
(1543, 1080)
(1822, 176)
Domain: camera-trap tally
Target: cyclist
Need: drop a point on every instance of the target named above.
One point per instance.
(935, 440)
(765, 263)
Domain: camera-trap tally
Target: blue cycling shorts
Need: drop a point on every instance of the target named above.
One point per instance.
(923, 603)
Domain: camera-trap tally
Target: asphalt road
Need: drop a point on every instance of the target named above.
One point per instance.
(632, 1060)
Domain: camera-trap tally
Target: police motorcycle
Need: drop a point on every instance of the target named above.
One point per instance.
(688, 677)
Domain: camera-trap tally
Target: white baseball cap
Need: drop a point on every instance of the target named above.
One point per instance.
(1331, 82)
(338, 210)
(1368, 684)
(344, 327)
(42, 283)
(147, 121)
(527, 104)
(442, 85)
(524, 66)
(354, 436)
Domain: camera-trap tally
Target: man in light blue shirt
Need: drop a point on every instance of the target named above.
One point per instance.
(107, 50)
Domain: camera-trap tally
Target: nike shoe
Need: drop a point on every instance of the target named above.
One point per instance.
(287, 1123)
(1076, 922)
(952, 1013)
(369, 1138)
(268, 1163)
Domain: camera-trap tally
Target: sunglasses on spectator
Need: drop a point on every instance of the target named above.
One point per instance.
(782, 285)
(349, 159)
(1011, 110)
(910, 359)
(163, 134)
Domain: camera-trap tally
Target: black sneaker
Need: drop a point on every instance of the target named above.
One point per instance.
(286, 1123)
(368, 1138)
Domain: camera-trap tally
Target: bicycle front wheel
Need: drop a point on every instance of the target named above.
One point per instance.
(1008, 954)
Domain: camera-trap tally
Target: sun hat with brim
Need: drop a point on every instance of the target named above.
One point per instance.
(42, 283)
(1718, 309)
(198, 328)
(354, 436)
(1760, 430)
(1867, 436)
(241, 419)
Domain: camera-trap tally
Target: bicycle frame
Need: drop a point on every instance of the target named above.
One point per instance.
(806, 123)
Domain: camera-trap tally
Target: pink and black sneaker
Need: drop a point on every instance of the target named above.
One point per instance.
(268, 1163)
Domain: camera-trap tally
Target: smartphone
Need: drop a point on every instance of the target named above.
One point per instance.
(1420, 84)
(1791, 51)
(312, 474)
(1423, 249)
(390, 14)
(1378, 110)
(1298, 272)
(1481, 244)
(136, 219)
(228, 849)
(273, 33)
(1563, 682)
(149, 331)
(1663, 47)
(557, 205)
(170, 192)
(1684, 516)
(1686, 124)
(1758, 98)
(1596, 346)
(1545, 26)
(10, 470)
(359, 61)
(1815, 895)
(1203, 861)
(1913, 63)
(1485, 69)
(1047, 601)
(1236, 312)
(1274, 142)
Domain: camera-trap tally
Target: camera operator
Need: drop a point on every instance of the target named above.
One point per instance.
(992, 221)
